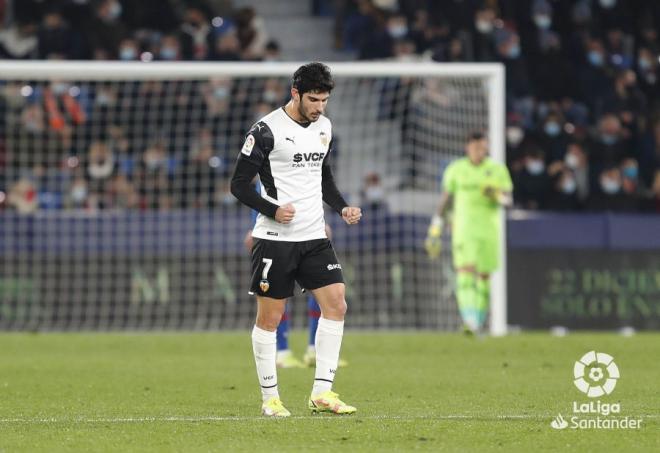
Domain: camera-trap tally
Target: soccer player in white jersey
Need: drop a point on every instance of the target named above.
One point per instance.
(289, 149)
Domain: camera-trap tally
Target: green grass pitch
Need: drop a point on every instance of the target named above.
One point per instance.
(413, 391)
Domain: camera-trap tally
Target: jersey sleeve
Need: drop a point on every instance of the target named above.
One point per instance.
(259, 141)
(504, 182)
(449, 179)
(331, 194)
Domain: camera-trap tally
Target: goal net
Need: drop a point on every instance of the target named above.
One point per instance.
(115, 203)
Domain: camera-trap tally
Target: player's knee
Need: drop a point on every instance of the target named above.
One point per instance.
(342, 307)
(269, 321)
(338, 306)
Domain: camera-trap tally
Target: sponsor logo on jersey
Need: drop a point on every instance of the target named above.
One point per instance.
(291, 139)
(334, 266)
(272, 233)
(308, 159)
(248, 145)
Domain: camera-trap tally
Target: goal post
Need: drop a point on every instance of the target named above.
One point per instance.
(94, 237)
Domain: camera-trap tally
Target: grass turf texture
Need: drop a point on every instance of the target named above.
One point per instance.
(198, 392)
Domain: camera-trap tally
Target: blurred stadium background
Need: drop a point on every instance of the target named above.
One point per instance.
(115, 215)
(114, 204)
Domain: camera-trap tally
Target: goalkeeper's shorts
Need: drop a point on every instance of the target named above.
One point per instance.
(480, 252)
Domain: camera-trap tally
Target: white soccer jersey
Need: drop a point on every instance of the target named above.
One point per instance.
(290, 159)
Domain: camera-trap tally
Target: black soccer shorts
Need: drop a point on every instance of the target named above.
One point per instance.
(277, 265)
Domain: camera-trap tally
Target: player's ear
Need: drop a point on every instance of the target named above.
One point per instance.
(295, 95)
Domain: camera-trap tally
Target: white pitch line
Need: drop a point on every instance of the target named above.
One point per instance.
(212, 418)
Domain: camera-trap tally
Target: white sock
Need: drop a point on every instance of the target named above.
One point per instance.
(264, 346)
(328, 344)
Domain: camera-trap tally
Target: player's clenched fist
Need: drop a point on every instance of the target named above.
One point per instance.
(285, 213)
(351, 215)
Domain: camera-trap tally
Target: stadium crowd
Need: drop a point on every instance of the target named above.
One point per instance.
(583, 117)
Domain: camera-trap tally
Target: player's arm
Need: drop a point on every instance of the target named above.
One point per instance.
(333, 197)
(258, 143)
(501, 191)
(433, 242)
(244, 172)
(499, 196)
(444, 206)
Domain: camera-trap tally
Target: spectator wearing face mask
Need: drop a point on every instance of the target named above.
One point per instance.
(594, 74)
(564, 195)
(483, 43)
(609, 196)
(630, 181)
(129, 50)
(532, 183)
(552, 138)
(170, 48)
(509, 52)
(397, 27)
(377, 40)
(647, 72)
(609, 144)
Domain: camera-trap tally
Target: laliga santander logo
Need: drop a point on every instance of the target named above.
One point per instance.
(596, 375)
(594, 365)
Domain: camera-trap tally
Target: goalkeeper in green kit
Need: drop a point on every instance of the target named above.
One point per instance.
(478, 187)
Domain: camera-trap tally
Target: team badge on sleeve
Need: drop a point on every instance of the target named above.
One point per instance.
(248, 145)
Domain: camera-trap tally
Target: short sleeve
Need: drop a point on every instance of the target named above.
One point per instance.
(258, 143)
(449, 179)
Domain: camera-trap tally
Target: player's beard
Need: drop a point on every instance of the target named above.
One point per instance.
(305, 115)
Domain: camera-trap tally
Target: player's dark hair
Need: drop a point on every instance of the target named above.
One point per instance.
(475, 136)
(314, 77)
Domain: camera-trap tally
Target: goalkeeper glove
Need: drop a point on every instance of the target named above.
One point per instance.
(433, 242)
